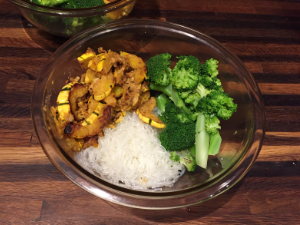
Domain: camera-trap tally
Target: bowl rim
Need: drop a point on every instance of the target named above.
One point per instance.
(55, 11)
(134, 198)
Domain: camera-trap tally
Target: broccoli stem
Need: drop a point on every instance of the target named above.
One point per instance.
(165, 89)
(161, 102)
(173, 94)
(192, 150)
(215, 143)
(202, 142)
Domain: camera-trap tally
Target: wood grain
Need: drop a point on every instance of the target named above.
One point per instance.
(263, 34)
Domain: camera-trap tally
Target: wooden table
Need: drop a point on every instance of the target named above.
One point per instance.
(264, 34)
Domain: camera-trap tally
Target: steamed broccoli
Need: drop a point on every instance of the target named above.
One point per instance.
(185, 158)
(212, 124)
(186, 73)
(158, 69)
(179, 133)
(208, 139)
(197, 92)
(210, 67)
(193, 97)
(173, 95)
(217, 103)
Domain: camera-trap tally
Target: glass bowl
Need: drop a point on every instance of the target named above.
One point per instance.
(242, 134)
(69, 22)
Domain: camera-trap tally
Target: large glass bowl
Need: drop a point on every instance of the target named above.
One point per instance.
(69, 22)
(242, 134)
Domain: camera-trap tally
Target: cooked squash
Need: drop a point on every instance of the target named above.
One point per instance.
(85, 58)
(91, 126)
(63, 104)
(110, 100)
(138, 65)
(118, 91)
(101, 87)
(145, 113)
(77, 91)
(93, 63)
(90, 75)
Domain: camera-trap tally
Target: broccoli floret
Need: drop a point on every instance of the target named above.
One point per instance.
(186, 73)
(185, 158)
(49, 3)
(210, 83)
(212, 124)
(179, 133)
(158, 69)
(174, 157)
(79, 4)
(192, 97)
(210, 67)
(217, 103)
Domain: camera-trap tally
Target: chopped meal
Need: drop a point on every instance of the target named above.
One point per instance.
(137, 138)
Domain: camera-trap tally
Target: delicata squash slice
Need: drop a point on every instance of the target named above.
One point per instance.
(111, 85)
(92, 125)
(144, 113)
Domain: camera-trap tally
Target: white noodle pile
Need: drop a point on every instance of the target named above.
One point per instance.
(131, 153)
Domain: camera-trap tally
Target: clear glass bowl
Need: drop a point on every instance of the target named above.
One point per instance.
(69, 22)
(242, 134)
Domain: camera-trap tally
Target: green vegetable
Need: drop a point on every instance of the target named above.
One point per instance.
(186, 73)
(158, 69)
(161, 102)
(201, 142)
(212, 124)
(49, 3)
(185, 158)
(210, 67)
(192, 97)
(179, 133)
(173, 95)
(79, 4)
(197, 92)
(192, 150)
(214, 144)
(217, 103)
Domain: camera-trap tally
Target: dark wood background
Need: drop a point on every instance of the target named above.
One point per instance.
(264, 34)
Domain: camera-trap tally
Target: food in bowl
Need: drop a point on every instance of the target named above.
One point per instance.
(242, 135)
(136, 138)
(69, 17)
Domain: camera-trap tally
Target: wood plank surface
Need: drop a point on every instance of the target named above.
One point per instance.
(265, 35)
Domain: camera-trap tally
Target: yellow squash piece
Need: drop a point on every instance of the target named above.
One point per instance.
(63, 104)
(93, 63)
(137, 63)
(77, 91)
(90, 75)
(85, 59)
(92, 125)
(149, 121)
(120, 118)
(118, 91)
(102, 87)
